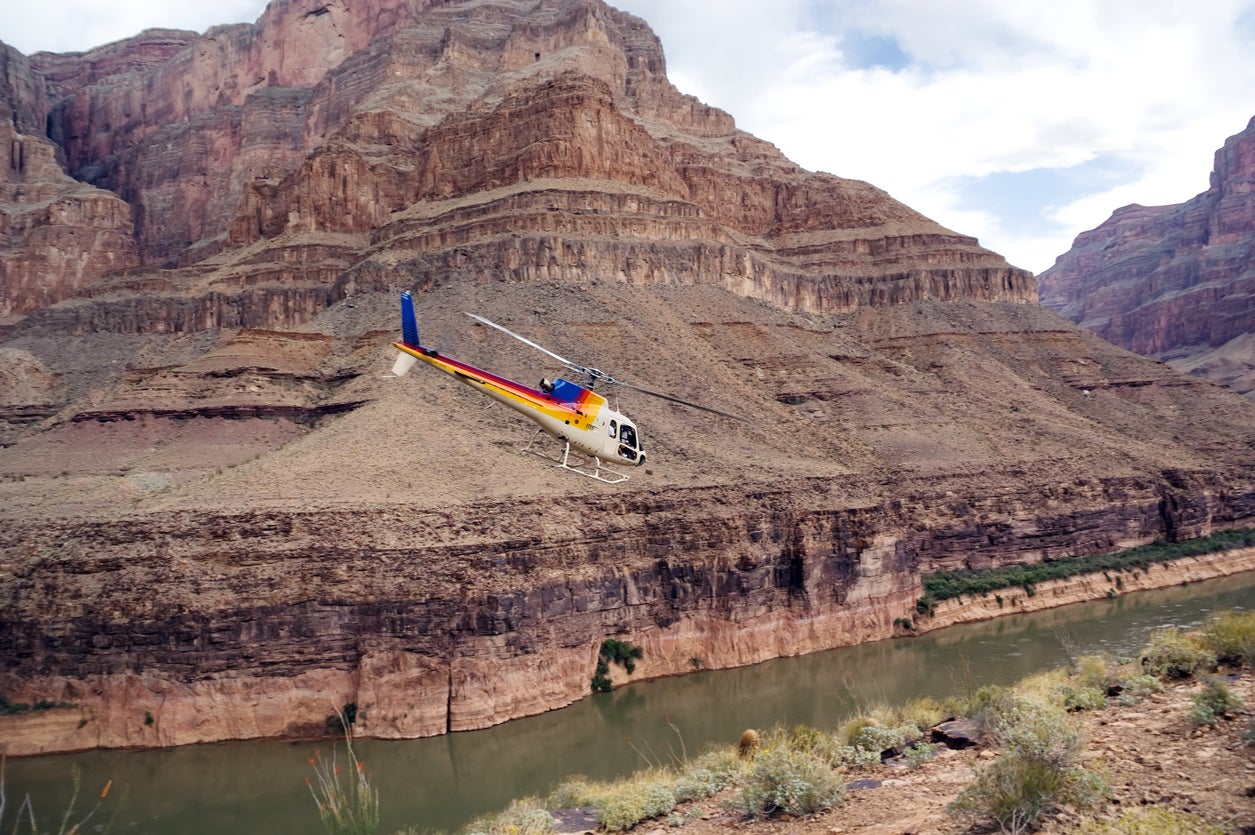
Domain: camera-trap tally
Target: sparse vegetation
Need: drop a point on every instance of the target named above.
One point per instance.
(25, 821)
(792, 781)
(1172, 654)
(1152, 820)
(1038, 772)
(347, 803)
(1211, 705)
(944, 585)
(623, 653)
(523, 817)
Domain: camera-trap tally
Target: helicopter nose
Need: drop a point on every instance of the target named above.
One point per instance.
(640, 460)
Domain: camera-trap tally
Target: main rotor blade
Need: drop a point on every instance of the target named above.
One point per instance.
(679, 400)
(526, 341)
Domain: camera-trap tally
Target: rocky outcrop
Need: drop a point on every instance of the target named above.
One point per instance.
(1173, 282)
(57, 236)
(537, 141)
(272, 617)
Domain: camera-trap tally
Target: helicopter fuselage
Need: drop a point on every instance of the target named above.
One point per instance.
(566, 410)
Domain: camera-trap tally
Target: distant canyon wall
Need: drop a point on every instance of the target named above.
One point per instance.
(1174, 283)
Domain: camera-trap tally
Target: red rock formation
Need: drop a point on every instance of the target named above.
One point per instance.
(59, 236)
(1174, 283)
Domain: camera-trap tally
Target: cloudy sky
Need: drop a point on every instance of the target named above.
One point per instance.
(1022, 123)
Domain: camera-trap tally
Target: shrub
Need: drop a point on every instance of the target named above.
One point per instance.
(646, 795)
(1230, 637)
(347, 804)
(922, 714)
(623, 653)
(522, 817)
(623, 803)
(1152, 820)
(1213, 703)
(789, 781)
(1037, 773)
(1173, 654)
(709, 774)
(1139, 687)
(920, 753)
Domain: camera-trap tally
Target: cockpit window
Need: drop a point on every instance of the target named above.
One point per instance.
(614, 428)
(627, 435)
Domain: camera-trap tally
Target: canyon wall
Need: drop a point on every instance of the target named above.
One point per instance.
(269, 620)
(1175, 283)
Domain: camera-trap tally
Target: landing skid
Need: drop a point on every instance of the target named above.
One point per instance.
(576, 462)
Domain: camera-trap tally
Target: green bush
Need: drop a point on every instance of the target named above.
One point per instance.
(1230, 637)
(1213, 703)
(947, 584)
(614, 651)
(1172, 654)
(522, 817)
(790, 781)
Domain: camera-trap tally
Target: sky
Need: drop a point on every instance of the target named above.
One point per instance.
(1020, 122)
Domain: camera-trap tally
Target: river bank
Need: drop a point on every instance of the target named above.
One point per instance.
(1154, 761)
(60, 729)
(1083, 587)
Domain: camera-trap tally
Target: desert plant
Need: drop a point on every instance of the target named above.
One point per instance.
(626, 803)
(25, 816)
(1230, 637)
(790, 781)
(710, 773)
(347, 804)
(522, 817)
(1213, 703)
(1037, 773)
(1152, 820)
(1172, 654)
(920, 753)
(1142, 686)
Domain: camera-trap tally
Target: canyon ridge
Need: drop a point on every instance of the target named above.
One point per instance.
(220, 520)
(1173, 283)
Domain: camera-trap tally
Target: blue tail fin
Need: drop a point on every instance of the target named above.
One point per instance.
(409, 323)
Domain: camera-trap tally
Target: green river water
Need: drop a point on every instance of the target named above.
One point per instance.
(442, 782)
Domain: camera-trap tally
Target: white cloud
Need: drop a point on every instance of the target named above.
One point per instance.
(79, 25)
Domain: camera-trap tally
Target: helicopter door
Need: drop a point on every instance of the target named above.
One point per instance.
(627, 441)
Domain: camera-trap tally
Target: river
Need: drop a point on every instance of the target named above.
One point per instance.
(440, 783)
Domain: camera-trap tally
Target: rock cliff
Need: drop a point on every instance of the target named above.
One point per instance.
(217, 512)
(1175, 283)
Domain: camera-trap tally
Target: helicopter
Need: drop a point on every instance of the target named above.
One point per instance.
(593, 434)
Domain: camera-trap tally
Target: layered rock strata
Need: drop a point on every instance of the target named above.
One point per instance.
(1175, 283)
(217, 510)
(267, 618)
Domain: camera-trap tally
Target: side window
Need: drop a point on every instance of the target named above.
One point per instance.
(614, 428)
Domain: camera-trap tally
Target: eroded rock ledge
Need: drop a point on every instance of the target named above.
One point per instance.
(432, 624)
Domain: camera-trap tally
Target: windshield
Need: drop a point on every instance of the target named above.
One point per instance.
(627, 435)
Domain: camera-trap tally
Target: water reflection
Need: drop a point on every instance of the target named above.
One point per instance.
(440, 783)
